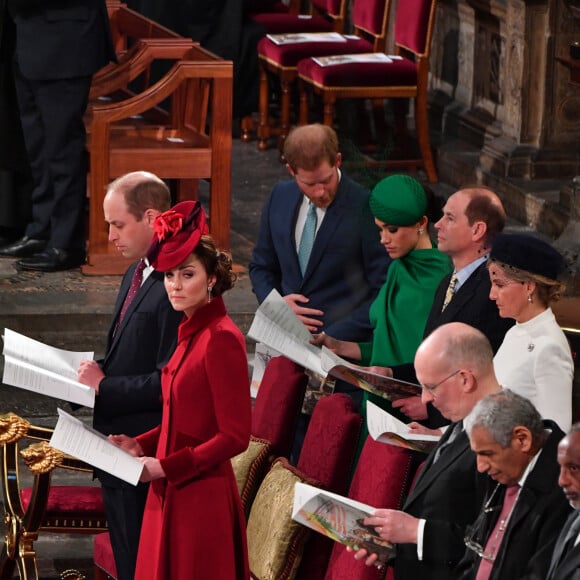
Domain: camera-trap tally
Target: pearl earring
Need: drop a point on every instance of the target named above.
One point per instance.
(209, 289)
(420, 231)
(530, 298)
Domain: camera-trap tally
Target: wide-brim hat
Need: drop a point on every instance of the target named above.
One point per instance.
(398, 200)
(177, 233)
(528, 253)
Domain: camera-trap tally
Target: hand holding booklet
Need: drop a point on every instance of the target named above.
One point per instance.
(276, 325)
(384, 427)
(339, 518)
(75, 438)
(35, 366)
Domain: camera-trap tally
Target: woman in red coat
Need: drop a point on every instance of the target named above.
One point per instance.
(194, 527)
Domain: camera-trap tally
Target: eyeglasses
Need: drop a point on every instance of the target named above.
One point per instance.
(472, 531)
(431, 388)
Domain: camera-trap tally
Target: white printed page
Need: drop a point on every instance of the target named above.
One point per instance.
(34, 366)
(279, 328)
(75, 438)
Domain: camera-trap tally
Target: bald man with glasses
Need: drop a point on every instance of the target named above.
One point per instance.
(454, 365)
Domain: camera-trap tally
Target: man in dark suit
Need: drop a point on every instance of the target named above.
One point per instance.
(141, 339)
(455, 367)
(59, 45)
(565, 563)
(524, 511)
(347, 264)
(471, 218)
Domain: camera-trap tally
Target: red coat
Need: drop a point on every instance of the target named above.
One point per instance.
(194, 527)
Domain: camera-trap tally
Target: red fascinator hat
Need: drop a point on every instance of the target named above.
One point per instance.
(177, 233)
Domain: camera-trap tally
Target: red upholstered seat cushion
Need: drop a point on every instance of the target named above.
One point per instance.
(381, 479)
(276, 23)
(330, 442)
(103, 554)
(81, 499)
(288, 55)
(401, 72)
(278, 404)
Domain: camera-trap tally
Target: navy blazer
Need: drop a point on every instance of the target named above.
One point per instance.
(347, 266)
(447, 494)
(536, 520)
(471, 305)
(129, 399)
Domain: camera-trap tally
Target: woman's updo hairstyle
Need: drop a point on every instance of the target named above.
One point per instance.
(216, 263)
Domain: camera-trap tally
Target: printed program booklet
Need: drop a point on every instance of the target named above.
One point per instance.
(384, 427)
(339, 518)
(38, 367)
(361, 57)
(279, 328)
(300, 37)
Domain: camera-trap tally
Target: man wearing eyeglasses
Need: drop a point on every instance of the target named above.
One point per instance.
(454, 365)
(524, 511)
(565, 563)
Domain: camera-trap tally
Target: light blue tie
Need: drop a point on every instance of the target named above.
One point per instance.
(307, 238)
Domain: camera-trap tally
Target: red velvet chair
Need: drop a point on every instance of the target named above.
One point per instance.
(403, 78)
(324, 16)
(327, 456)
(382, 478)
(103, 558)
(369, 18)
(278, 404)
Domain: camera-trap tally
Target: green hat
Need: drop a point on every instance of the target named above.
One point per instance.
(398, 200)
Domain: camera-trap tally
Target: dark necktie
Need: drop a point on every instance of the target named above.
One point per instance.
(495, 539)
(307, 237)
(455, 432)
(133, 289)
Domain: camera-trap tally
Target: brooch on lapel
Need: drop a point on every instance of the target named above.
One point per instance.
(531, 347)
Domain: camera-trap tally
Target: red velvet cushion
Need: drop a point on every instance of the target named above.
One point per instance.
(283, 23)
(411, 24)
(70, 499)
(278, 404)
(381, 478)
(288, 55)
(369, 15)
(330, 442)
(372, 74)
(103, 554)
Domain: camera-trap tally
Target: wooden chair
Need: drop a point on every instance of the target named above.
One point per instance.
(42, 507)
(406, 78)
(323, 16)
(370, 19)
(182, 149)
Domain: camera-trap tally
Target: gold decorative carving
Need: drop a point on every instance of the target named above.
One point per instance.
(12, 428)
(41, 457)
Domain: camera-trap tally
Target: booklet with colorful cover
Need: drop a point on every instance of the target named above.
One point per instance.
(276, 325)
(339, 518)
(384, 427)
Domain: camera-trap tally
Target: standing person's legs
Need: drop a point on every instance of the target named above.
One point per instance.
(124, 508)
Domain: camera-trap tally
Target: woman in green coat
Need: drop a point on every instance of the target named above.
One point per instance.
(400, 310)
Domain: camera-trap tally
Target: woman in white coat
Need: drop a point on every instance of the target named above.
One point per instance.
(534, 359)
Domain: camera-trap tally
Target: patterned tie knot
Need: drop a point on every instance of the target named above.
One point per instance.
(450, 291)
(136, 282)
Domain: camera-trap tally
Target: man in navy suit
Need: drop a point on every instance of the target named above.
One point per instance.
(565, 563)
(455, 367)
(347, 264)
(58, 46)
(141, 339)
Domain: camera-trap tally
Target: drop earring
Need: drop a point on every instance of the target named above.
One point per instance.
(530, 298)
(209, 289)
(420, 231)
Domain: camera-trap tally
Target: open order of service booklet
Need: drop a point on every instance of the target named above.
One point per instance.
(278, 327)
(339, 518)
(384, 427)
(35, 366)
(75, 438)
